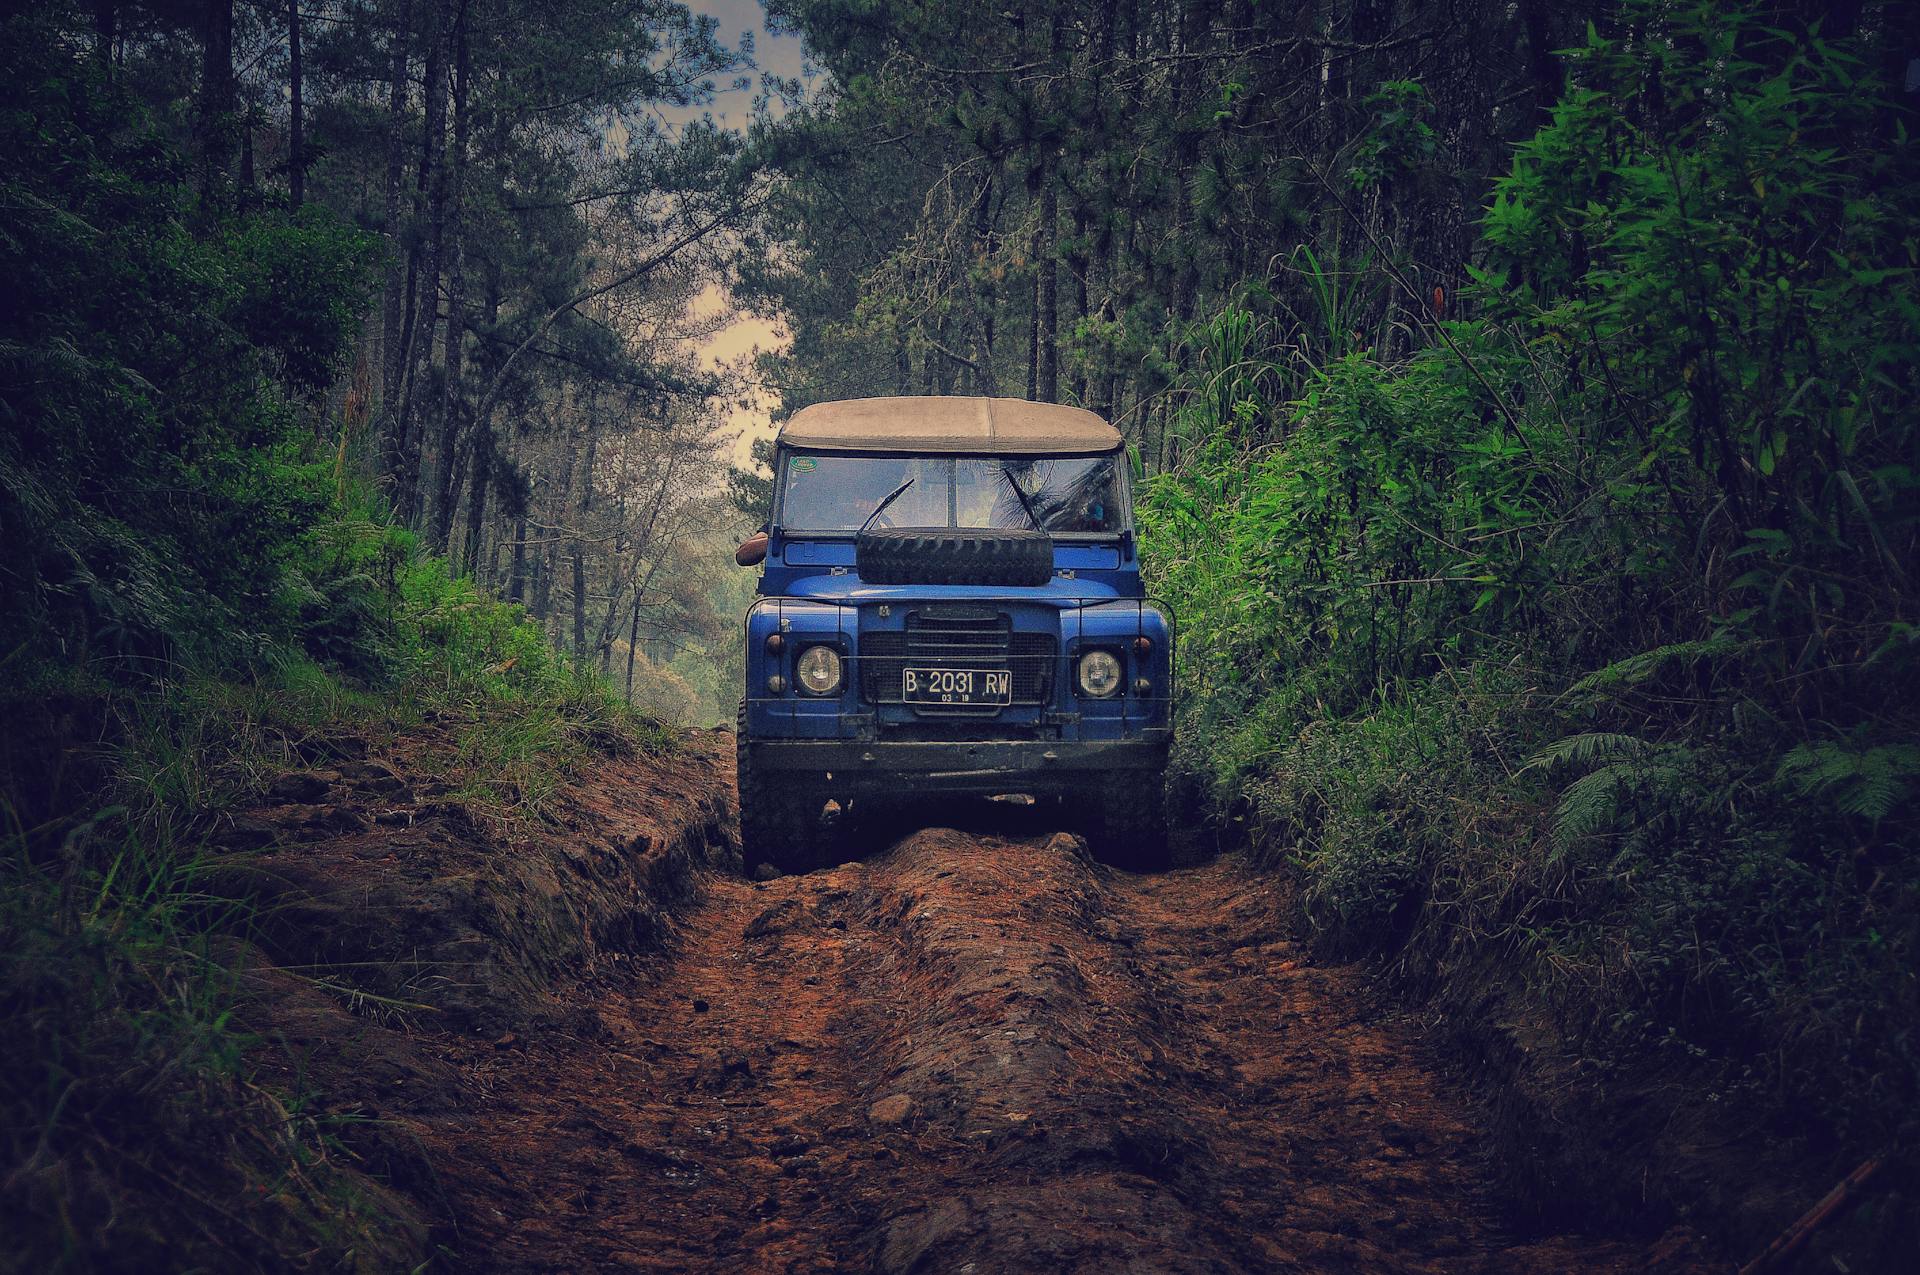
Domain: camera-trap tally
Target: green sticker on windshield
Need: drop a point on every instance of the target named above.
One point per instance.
(801, 465)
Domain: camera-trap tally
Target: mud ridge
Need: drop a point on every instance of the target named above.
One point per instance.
(1033, 1045)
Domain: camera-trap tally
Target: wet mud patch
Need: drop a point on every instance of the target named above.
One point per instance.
(974, 1049)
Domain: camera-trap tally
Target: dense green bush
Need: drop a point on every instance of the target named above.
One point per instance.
(155, 475)
(1588, 628)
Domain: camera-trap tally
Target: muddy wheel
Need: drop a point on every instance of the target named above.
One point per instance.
(779, 812)
(1128, 828)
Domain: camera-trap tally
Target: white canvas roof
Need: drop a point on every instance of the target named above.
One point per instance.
(948, 425)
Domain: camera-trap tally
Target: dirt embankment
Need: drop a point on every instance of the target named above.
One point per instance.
(371, 872)
(399, 926)
(973, 1050)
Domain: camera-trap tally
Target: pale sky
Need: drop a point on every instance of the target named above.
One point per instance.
(779, 55)
(744, 335)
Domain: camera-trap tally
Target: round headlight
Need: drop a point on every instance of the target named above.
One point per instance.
(1099, 674)
(818, 669)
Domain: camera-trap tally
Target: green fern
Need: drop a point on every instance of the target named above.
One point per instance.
(1584, 749)
(1589, 806)
(1636, 669)
(1868, 782)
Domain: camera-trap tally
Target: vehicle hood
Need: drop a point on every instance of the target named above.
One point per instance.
(850, 588)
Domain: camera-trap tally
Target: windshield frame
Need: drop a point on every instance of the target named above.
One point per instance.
(1118, 455)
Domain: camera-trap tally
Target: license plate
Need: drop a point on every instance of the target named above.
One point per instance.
(956, 686)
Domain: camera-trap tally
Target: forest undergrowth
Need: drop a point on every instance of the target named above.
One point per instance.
(202, 593)
(1570, 659)
(135, 1125)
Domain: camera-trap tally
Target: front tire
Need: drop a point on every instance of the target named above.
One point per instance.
(1128, 828)
(779, 812)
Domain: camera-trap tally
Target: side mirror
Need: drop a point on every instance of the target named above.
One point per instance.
(752, 551)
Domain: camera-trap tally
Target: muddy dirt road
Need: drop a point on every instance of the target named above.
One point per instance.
(976, 1051)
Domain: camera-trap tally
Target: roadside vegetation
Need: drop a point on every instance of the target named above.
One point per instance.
(224, 562)
(1572, 655)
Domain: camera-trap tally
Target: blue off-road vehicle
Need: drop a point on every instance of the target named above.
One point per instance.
(951, 603)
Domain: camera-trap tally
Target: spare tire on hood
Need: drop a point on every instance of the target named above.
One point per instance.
(941, 556)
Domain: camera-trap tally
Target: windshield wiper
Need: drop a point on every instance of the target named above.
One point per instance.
(1006, 472)
(886, 500)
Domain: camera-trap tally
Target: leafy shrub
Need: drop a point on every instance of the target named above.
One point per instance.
(1585, 630)
(154, 472)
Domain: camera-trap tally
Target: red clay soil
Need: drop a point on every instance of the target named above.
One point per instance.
(976, 1051)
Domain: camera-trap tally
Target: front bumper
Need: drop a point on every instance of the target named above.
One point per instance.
(978, 766)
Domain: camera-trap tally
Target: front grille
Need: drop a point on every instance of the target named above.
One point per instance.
(953, 638)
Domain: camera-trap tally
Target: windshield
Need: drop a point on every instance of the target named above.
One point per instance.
(830, 492)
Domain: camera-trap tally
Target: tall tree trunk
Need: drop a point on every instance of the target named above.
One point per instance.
(1093, 223)
(433, 186)
(517, 572)
(490, 563)
(1542, 66)
(559, 497)
(296, 118)
(215, 124)
(1046, 251)
(585, 481)
(450, 397)
(1185, 145)
(579, 603)
(616, 583)
(1094, 378)
(981, 295)
(246, 121)
(106, 24)
(480, 481)
(943, 376)
(547, 564)
(392, 310)
(484, 447)
(1077, 263)
(1048, 390)
(1033, 325)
